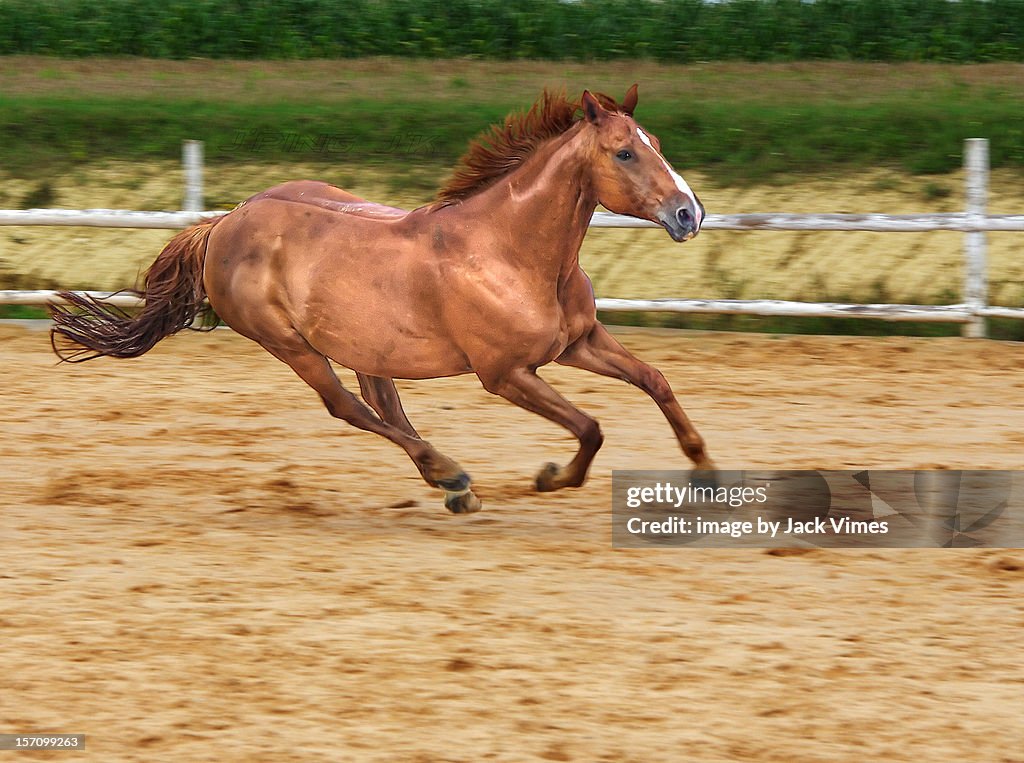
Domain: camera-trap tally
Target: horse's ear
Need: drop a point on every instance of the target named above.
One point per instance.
(592, 110)
(629, 102)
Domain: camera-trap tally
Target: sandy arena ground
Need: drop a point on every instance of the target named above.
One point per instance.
(198, 564)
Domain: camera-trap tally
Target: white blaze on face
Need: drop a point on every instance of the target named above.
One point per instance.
(676, 177)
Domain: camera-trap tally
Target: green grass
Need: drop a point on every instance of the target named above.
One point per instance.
(23, 312)
(739, 141)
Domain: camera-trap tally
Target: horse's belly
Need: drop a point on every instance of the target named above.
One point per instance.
(372, 344)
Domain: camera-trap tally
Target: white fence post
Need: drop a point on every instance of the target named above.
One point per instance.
(192, 162)
(975, 267)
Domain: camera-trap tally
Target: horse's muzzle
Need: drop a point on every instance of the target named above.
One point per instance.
(682, 220)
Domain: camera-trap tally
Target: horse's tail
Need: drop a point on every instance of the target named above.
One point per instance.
(174, 296)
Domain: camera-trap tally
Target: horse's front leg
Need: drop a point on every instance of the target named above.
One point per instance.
(600, 352)
(523, 387)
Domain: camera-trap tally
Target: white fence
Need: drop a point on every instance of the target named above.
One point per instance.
(974, 222)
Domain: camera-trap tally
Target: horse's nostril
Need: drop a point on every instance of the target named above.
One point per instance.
(685, 218)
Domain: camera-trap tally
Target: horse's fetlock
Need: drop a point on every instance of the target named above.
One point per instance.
(592, 436)
(693, 447)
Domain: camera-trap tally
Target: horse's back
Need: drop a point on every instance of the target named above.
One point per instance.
(326, 196)
(279, 243)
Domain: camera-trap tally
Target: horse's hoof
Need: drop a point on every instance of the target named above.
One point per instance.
(547, 478)
(462, 503)
(704, 478)
(456, 484)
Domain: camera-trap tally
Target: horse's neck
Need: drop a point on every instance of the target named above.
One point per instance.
(547, 203)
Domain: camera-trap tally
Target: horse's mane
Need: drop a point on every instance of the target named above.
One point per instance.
(501, 148)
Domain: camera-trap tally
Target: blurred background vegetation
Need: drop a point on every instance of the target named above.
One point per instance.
(672, 31)
(745, 123)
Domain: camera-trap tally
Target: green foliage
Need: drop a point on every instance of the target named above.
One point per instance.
(23, 312)
(676, 31)
(739, 141)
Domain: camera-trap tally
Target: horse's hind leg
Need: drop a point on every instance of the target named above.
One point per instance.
(381, 395)
(437, 470)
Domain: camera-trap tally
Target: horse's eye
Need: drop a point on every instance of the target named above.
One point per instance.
(624, 155)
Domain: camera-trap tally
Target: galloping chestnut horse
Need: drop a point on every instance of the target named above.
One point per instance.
(486, 280)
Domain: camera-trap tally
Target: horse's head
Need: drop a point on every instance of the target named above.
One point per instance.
(631, 176)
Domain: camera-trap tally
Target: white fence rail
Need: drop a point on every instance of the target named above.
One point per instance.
(973, 222)
(878, 223)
